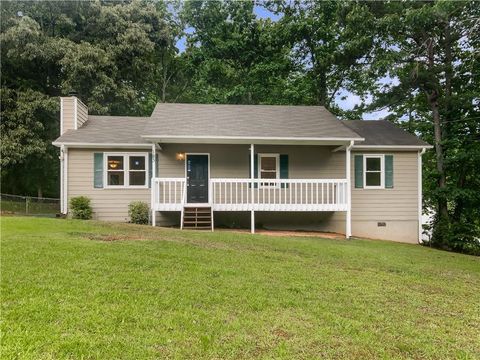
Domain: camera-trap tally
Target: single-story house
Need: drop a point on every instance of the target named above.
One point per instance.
(275, 167)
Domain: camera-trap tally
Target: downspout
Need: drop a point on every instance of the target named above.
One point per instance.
(64, 180)
(252, 188)
(153, 185)
(348, 232)
(62, 159)
(420, 194)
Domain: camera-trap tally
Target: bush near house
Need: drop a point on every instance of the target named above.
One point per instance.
(70, 291)
(81, 208)
(139, 212)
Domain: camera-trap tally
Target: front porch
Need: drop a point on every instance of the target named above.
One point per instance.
(272, 186)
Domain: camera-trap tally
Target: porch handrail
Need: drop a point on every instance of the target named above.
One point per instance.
(169, 193)
(236, 194)
(248, 180)
(231, 194)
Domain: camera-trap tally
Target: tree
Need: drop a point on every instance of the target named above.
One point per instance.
(327, 38)
(106, 51)
(430, 48)
(232, 56)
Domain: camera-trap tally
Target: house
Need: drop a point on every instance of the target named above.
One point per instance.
(275, 167)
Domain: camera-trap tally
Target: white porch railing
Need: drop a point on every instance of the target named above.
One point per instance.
(279, 194)
(228, 194)
(168, 194)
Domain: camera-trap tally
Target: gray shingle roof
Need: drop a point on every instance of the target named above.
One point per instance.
(243, 121)
(382, 132)
(108, 130)
(270, 121)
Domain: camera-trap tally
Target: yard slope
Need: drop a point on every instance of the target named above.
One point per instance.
(73, 289)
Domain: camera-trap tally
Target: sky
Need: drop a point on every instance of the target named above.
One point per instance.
(346, 104)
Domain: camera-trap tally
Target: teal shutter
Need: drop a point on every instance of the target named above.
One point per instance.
(150, 170)
(388, 171)
(255, 168)
(98, 170)
(358, 171)
(284, 169)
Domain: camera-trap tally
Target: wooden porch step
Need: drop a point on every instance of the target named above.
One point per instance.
(197, 218)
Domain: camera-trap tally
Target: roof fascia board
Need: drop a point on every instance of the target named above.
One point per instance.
(391, 147)
(249, 140)
(102, 145)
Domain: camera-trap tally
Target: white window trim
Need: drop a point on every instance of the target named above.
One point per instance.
(126, 170)
(277, 171)
(382, 170)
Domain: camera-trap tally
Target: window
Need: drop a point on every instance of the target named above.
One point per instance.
(115, 168)
(126, 170)
(374, 171)
(136, 172)
(268, 168)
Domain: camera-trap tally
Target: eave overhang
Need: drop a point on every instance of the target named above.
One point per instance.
(248, 140)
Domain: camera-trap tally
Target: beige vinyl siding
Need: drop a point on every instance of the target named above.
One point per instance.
(398, 203)
(68, 114)
(108, 204)
(226, 161)
(396, 207)
(82, 113)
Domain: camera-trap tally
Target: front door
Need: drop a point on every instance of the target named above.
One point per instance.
(197, 178)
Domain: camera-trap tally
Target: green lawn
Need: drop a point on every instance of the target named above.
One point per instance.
(70, 292)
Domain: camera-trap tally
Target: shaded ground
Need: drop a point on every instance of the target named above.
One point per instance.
(285, 233)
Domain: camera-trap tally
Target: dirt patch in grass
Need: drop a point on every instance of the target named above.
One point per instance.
(280, 333)
(290, 233)
(106, 237)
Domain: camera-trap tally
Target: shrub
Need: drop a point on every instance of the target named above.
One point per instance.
(81, 208)
(139, 212)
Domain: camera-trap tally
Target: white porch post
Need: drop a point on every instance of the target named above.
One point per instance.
(252, 188)
(420, 195)
(153, 189)
(348, 231)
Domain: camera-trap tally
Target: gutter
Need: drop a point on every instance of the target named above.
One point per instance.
(420, 194)
(392, 147)
(102, 145)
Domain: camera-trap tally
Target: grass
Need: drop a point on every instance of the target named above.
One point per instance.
(69, 292)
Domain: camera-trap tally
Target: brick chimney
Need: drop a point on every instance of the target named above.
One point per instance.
(73, 113)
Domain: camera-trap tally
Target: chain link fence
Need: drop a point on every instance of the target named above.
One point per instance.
(29, 205)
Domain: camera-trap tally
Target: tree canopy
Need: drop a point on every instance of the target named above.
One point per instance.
(418, 61)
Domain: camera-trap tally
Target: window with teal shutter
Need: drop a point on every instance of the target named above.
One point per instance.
(284, 168)
(98, 170)
(359, 171)
(388, 171)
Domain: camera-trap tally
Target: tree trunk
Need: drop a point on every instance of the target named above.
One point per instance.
(448, 75)
(432, 98)
(322, 87)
